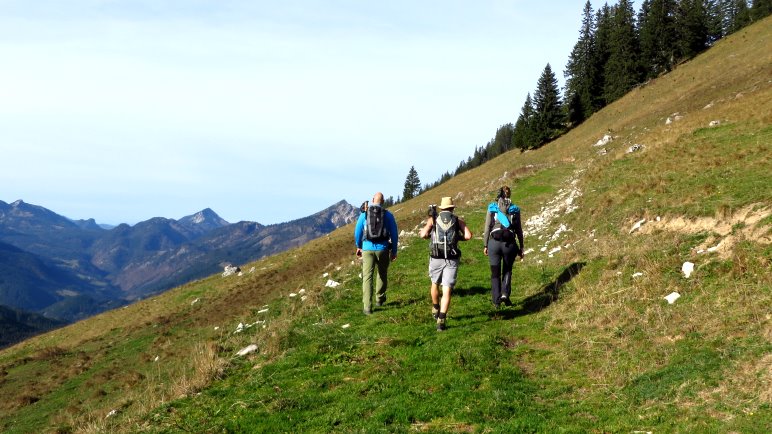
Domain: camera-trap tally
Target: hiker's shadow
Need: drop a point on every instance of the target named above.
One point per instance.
(548, 293)
(475, 290)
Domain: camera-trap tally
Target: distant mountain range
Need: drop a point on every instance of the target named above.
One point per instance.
(70, 269)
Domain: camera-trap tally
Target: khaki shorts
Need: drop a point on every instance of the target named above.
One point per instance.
(443, 271)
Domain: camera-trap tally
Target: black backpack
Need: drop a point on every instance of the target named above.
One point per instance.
(497, 231)
(444, 239)
(375, 225)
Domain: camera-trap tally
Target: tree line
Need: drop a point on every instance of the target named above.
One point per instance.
(617, 50)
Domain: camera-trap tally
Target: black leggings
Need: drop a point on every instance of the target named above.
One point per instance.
(502, 257)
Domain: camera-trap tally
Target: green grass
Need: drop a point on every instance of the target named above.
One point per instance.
(388, 372)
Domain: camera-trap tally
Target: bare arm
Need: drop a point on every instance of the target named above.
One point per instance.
(427, 229)
(467, 233)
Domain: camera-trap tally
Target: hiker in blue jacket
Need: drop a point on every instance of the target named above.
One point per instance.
(503, 240)
(377, 239)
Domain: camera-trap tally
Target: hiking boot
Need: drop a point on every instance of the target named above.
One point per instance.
(505, 300)
(441, 325)
(435, 313)
(380, 303)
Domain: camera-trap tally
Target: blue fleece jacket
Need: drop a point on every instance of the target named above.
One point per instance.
(503, 219)
(391, 225)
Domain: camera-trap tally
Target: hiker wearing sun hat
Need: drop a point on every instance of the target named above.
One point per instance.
(445, 230)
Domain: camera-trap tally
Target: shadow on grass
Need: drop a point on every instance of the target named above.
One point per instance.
(475, 290)
(548, 293)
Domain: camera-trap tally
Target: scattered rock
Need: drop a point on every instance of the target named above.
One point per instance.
(672, 297)
(247, 350)
(714, 123)
(635, 148)
(687, 269)
(673, 118)
(638, 274)
(605, 140)
(345, 326)
(637, 225)
(195, 301)
(230, 270)
(331, 283)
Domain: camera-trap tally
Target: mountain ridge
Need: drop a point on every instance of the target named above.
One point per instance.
(126, 263)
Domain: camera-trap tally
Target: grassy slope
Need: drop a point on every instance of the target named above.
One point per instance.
(607, 354)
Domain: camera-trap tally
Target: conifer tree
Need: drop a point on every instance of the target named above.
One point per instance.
(736, 15)
(580, 73)
(692, 28)
(524, 136)
(502, 141)
(714, 21)
(412, 184)
(548, 108)
(760, 9)
(658, 37)
(601, 53)
(623, 66)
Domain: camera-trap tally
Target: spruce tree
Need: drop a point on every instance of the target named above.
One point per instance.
(412, 184)
(760, 9)
(580, 72)
(601, 53)
(502, 141)
(548, 108)
(714, 21)
(658, 38)
(736, 15)
(524, 136)
(692, 24)
(623, 66)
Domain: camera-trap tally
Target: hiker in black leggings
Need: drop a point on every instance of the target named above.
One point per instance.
(503, 239)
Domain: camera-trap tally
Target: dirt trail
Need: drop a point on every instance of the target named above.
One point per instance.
(726, 231)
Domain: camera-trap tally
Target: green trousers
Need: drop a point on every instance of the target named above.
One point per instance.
(372, 259)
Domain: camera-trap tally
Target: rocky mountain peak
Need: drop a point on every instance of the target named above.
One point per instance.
(204, 219)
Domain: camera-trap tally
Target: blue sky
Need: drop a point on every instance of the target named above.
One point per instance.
(263, 111)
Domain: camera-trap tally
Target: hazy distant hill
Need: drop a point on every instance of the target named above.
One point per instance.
(17, 325)
(72, 269)
(32, 283)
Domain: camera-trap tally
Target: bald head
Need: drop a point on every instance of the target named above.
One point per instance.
(378, 198)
